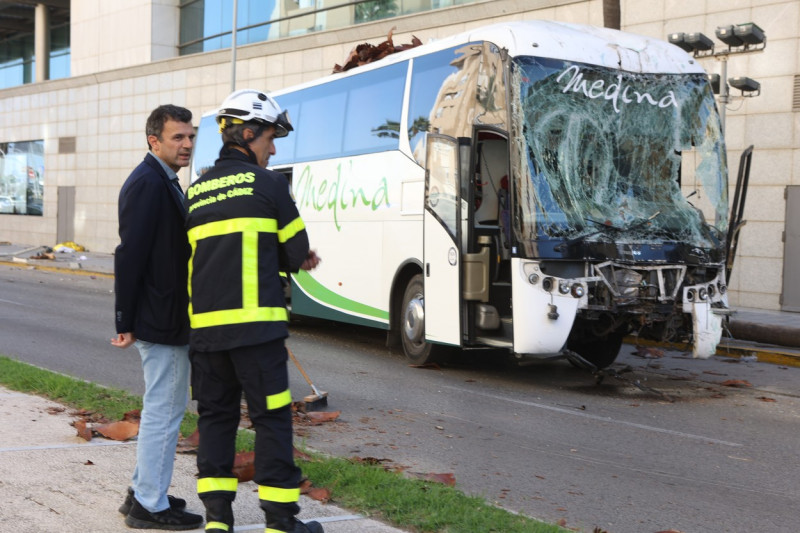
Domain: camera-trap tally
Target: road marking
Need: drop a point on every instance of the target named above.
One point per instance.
(13, 302)
(67, 446)
(597, 417)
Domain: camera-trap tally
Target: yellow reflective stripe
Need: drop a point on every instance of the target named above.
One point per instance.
(291, 229)
(232, 225)
(276, 401)
(239, 316)
(218, 525)
(250, 312)
(250, 270)
(278, 495)
(217, 484)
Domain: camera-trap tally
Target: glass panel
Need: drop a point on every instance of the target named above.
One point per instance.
(374, 106)
(441, 194)
(16, 61)
(601, 154)
(207, 146)
(455, 89)
(354, 115)
(22, 178)
(280, 19)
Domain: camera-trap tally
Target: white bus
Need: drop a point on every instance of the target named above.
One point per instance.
(542, 187)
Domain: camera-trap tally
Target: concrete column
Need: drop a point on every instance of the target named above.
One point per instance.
(41, 39)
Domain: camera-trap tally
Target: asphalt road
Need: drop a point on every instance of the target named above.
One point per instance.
(665, 445)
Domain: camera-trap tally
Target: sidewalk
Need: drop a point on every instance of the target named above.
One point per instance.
(53, 480)
(773, 336)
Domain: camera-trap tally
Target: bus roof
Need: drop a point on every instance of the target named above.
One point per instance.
(558, 40)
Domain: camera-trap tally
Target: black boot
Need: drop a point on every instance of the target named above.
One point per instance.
(293, 525)
(219, 515)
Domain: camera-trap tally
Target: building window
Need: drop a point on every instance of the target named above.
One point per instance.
(206, 24)
(18, 62)
(22, 178)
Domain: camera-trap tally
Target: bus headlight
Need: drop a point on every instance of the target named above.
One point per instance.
(563, 287)
(533, 279)
(578, 291)
(702, 293)
(690, 295)
(547, 284)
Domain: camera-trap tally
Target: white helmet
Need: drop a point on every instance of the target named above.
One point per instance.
(246, 105)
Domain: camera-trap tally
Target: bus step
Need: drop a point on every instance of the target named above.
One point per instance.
(495, 342)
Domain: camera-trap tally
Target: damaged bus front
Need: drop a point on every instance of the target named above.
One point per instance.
(619, 202)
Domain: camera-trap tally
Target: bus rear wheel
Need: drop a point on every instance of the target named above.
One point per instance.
(412, 326)
(600, 350)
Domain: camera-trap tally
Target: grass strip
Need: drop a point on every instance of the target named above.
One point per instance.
(412, 504)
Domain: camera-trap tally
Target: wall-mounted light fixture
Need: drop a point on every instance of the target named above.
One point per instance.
(748, 86)
(696, 43)
(740, 39)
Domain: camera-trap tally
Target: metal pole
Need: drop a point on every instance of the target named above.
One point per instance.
(233, 47)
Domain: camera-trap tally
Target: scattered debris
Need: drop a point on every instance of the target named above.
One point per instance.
(90, 424)
(190, 443)
(244, 466)
(44, 255)
(446, 479)
(766, 399)
(122, 430)
(367, 53)
(432, 366)
(68, 247)
(742, 383)
(647, 352)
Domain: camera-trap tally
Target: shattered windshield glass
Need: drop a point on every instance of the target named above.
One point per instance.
(612, 156)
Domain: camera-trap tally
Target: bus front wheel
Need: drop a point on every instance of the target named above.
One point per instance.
(600, 350)
(412, 325)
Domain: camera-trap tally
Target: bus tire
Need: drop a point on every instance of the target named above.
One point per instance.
(412, 326)
(600, 350)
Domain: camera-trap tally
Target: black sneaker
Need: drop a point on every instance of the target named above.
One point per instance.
(178, 504)
(171, 519)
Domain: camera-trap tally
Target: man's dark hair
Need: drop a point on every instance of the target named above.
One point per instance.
(234, 133)
(160, 115)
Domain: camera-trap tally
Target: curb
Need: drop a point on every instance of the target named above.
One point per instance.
(73, 268)
(730, 347)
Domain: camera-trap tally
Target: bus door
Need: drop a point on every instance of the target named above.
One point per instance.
(441, 250)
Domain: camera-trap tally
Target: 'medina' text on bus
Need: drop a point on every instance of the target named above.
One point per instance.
(542, 187)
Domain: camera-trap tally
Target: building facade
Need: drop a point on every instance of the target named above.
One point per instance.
(82, 134)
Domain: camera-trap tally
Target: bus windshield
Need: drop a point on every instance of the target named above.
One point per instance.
(605, 156)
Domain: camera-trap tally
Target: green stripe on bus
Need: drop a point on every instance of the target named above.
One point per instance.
(316, 290)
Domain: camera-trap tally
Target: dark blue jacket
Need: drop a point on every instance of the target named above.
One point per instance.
(245, 230)
(151, 262)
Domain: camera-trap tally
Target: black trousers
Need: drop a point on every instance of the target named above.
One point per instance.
(218, 379)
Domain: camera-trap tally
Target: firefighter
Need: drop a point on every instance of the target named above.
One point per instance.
(244, 230)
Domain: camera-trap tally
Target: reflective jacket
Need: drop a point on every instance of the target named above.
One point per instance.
(244, 229)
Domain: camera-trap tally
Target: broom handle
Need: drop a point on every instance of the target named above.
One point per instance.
(300, 368)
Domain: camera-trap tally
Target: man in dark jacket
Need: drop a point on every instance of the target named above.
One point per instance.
(150, 270)
(245, 230)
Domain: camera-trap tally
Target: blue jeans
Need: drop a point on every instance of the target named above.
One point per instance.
(166, 382)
